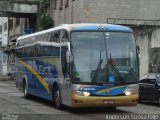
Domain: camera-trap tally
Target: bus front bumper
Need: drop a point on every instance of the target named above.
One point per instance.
(92, 101)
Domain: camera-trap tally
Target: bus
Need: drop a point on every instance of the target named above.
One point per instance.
(79, 65)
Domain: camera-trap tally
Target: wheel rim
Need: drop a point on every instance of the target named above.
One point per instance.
(25, 90)
(57, 98)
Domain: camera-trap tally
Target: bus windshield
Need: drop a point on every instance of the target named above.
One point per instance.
(104, 57)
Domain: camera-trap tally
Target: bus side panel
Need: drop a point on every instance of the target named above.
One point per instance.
(19, 71)
(44, 73)
(24, 74)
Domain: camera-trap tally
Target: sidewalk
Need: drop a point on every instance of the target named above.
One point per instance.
(5, 78)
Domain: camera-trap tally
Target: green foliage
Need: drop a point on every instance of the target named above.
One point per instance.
(45, 22)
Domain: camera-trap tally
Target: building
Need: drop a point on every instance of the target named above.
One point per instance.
(141, 15)
(103, 11)
(10, 29)
(3, 44)
(17, 27)
(21, 19)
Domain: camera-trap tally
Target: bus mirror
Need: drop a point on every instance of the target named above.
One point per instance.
(68, 57)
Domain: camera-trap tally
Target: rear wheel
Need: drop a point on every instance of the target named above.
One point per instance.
(25, 90)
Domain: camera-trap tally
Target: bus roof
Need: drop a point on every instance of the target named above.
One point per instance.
(82, 27)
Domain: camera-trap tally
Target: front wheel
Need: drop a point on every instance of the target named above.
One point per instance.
(25, 91)
(58, 101)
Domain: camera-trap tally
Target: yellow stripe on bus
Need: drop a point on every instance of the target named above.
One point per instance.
(42, 81)
(99, 92)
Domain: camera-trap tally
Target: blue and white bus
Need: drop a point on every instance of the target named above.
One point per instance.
(79, 65)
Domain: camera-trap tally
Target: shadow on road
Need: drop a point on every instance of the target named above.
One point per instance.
(148, 103)
(96, 110)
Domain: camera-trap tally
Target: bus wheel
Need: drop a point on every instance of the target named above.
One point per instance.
(57, 99)
(25, 92)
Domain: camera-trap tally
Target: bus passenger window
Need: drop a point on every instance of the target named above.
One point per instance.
(24, 52)
(37, 51)
(55, 37)
(47, 37)
(65, 37)
(19, 53)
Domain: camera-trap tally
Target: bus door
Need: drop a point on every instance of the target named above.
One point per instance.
(66, 86)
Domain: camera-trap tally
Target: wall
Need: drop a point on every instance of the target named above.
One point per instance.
(3, 55)
(149, 43)
(97, 11)
(142, 41)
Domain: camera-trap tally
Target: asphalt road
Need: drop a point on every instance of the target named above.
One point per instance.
(14, 106)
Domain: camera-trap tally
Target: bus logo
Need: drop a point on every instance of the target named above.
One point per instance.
(108, 92)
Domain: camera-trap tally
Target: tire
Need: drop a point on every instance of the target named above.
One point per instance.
(57, 99)
(25, 90)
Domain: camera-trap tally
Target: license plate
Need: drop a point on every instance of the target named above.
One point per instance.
(108, 102)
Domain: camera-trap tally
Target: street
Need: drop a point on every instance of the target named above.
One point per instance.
(13, 102)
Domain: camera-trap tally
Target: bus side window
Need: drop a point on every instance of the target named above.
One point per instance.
(65, 37)
(47, 37)
(19, 53)
(24, 52)
(37, 51)
(55, 36)
(31, 51)
(39, 38)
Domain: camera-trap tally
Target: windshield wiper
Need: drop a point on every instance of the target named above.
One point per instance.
(95, 73)
(100, 62)
(116, 70)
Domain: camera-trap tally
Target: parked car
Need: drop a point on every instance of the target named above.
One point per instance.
(149, 88)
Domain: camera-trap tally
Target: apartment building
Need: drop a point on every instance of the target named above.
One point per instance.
(10, 29)
(3, 45)
(17, 27)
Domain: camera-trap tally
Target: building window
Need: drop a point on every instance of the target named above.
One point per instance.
(67, 3)
(1, 29)
(17, 22)
(5, 26)
(10, 24)
(55, 4)
(61, 5)
(11, 58)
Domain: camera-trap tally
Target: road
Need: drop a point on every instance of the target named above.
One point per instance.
(13, 104)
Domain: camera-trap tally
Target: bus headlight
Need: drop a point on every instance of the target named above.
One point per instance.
(81, 93)
(127, 93)
(131, 90)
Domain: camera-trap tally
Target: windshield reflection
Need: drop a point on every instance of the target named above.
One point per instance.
(92, 52)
